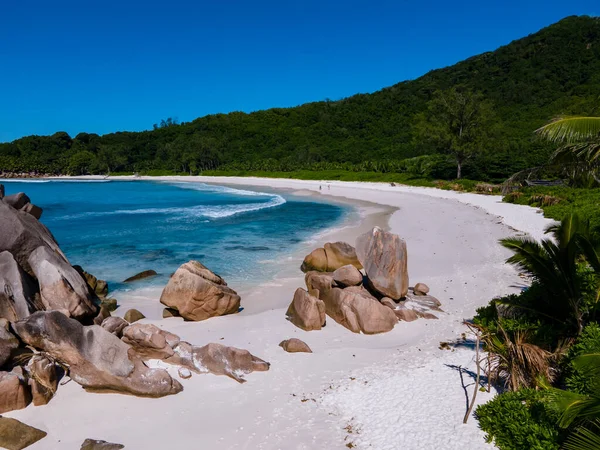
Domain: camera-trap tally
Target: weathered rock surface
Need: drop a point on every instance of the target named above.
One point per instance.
(294, 345)
(93, 444)
(115, 325)
(14, 391)
(405, 314)
(230, 361)
(98, 287)
(385, 260)
(421, 289)
(8, 342)
(198, 294)
(170, 312)
(347, 275)
(424, 302)
(306, 312)
(359, 311)
(103, 314)
(17, 200)
(109, 303)
(17, 290)
(150, 342)
(133, 315)
(43, 379)
(61, 287)
(15, 435)
(319, 283)
(32, 210)
(97, 359)
(331, 257)
(141, 276)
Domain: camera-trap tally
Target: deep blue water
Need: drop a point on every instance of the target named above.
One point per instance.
(115, 229)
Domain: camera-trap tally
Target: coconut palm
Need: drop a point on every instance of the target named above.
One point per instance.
(555, 264)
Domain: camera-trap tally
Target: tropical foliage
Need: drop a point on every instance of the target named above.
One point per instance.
(552, 72)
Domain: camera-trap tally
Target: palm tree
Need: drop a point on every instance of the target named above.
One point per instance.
(555, 265)
(579, 151)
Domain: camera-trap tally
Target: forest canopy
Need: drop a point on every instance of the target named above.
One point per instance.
(523, 85)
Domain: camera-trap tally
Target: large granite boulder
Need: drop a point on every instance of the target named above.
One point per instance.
(306, 312)
(385, 260)
(8, 342)
(14, 391)
(331, 257)
(17, 290)
(356, 309)
(61, 287)
(347, 275)
(198, 294)
(97, 359)
(15, 435)
(43, 379)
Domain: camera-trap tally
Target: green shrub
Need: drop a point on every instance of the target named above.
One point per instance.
(588, 342)
(518, 421)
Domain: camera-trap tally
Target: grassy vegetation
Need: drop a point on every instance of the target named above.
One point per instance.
(559, 201)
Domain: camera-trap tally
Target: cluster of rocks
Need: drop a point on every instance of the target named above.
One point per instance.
(55, 321)
(364, 288)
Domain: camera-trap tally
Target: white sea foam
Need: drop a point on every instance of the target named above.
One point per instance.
(211, 212)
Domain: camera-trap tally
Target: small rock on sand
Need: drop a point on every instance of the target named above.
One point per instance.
(133, 315)
(294, 345)
(93, 444)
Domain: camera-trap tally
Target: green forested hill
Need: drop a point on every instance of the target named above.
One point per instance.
(529, 81)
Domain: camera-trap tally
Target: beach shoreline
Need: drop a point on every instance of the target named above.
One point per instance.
(379, 391)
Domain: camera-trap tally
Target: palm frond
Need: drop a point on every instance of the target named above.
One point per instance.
(584, 437)
(571, 129)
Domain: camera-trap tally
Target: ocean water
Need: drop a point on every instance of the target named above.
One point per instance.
(115, 229)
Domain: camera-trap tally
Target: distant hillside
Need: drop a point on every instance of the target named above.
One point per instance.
(554, 71)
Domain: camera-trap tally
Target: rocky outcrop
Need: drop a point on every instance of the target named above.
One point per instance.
(331, 257)
(93, 444)
(61, 287)
(319, 284)
(14, 391)
(306, 312)
(230, 361)
(97, 359)
(198, 294)
(17, 201)
(32, 210)
(356, 309)
(141, 276)
(98, 287)
(8, 342)
(133, 315)
(43, 379)
(294, 345)
(115, 325)
(150, 342)
(15, 435)
(385, 260)
(347, 275)
(18, 290)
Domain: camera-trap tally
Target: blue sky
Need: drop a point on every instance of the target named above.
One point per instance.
(104, 66)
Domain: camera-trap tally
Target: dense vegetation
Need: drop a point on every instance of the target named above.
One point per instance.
(526, 83)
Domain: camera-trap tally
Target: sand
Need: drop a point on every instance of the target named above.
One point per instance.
(397, 390)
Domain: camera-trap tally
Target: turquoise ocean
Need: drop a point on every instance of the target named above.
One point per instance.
(115, 229)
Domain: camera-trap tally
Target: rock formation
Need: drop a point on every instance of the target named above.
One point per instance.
(14, 392)
(15, 435)
(347, 275)
(8, 342)
(294, 345)
(198, 294)
(331, 257)
(97, 359)
(306, 312)
(385, 260)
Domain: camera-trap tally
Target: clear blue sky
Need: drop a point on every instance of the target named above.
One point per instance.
(104, 66)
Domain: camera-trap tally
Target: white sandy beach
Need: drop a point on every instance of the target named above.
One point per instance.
(396, 390)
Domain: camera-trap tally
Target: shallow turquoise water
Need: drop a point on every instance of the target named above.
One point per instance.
(115, 229)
